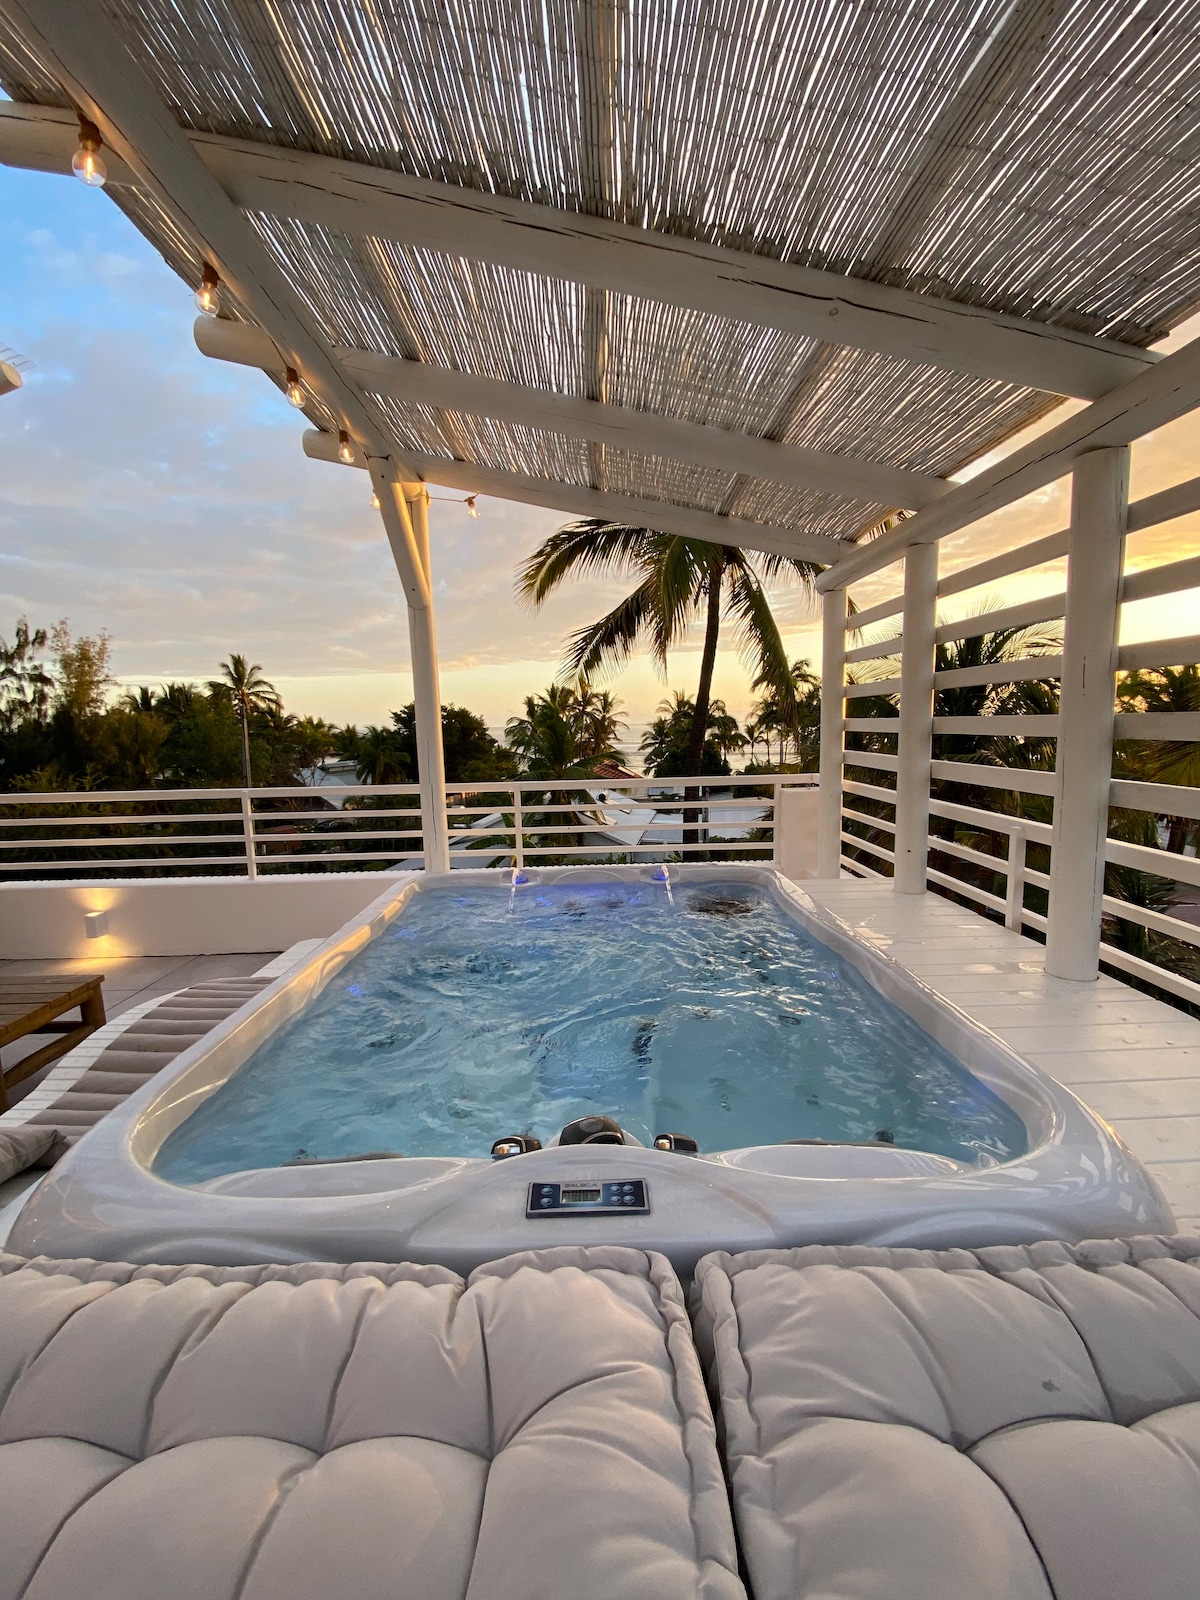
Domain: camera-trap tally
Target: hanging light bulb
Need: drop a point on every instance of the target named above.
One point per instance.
(470, 505)
(345, 448)
(208, 295)
(295, 389)
(375, 501)
(87, 163)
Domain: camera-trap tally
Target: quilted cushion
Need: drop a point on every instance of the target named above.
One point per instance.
(540, 1430)
(1017, 1423)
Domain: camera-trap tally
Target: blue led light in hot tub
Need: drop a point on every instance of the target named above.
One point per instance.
(716, 1014)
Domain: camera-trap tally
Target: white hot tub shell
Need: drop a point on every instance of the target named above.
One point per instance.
(104, 1200)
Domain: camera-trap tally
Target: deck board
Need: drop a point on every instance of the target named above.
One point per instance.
(1133, 1059)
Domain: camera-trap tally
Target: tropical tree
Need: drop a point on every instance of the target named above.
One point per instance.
(596, 717)
(378, 756)
(676, 583)
(243, 685)
(665, 743)
(25, 685)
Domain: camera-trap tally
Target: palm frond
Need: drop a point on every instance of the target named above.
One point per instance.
(608, 643)
(586, 548)
(759, 641)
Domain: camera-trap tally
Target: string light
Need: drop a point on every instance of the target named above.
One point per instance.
(345, 448)
(208, 295)
(87, 163)
(453, 500)
(295, 389)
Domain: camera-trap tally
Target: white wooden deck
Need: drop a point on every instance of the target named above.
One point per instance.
(1135, 1061)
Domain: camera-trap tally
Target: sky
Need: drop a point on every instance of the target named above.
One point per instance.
(165, 497)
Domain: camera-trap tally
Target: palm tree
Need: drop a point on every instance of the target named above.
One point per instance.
(376, 754)
(25, 685)
(596, 717)
(143, 699)
(248, 691)
(677, 582)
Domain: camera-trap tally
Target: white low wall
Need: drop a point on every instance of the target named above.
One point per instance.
(180, 916)
(796, 833)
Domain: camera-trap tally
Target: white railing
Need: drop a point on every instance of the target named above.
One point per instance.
(173, 832)
(1014, 889)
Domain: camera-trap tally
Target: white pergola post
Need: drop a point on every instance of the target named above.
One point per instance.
(427, 698)
(915, 743)
(1099, 508)
(405, 512)
(834, 607)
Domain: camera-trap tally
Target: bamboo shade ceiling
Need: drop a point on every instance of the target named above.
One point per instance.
(1037, 157)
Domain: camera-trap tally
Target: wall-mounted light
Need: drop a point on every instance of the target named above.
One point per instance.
(87, 163)
(95, 924)
(295, 389)
(208, 295)
(345, 448)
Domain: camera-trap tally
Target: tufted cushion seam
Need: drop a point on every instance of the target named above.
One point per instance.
(192, 1337)
(265, 1526)
(1016, 1511)
(67, 1515)
(24, 1371)
(488, 1392)
(368, 1300)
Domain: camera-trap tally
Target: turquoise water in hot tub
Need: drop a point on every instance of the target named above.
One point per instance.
(716, 1016)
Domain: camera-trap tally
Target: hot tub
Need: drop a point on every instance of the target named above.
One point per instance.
(349, 1111)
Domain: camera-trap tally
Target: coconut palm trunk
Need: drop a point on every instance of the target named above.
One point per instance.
(708, 659)
(244, 719)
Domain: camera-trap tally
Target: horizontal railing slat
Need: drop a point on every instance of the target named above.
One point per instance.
(1036, 554)
(859, 691)
(1170, 578)
(1017, 779)
(881, 648)
(1161, 799)
(1160, 863)
(863, 619)
(1025, 615)
(1181, 652)
(1174, 927)
(1028, 668)
(970, 890)
(1015, 727)
(1172, 982)
(1182, 725)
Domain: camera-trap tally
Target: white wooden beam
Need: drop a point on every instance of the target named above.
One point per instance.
(575, 500)
(662, 267)
(92, 63)
(1149, 401)
(421, 383)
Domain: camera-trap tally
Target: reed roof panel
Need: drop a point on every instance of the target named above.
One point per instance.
(1030, 156)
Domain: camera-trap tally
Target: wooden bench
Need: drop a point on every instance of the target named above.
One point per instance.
(34, 1005)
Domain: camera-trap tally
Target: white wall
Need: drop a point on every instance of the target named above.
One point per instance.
(181, 916)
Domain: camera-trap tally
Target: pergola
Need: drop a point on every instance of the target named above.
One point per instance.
(766, 276)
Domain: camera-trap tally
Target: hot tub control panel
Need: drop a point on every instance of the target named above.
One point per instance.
(584, 1197)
